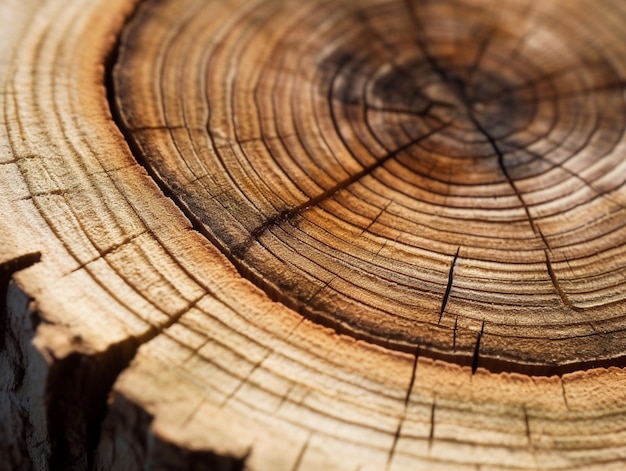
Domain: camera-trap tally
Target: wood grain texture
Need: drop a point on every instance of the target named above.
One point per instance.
(418, 175)
(290, 300)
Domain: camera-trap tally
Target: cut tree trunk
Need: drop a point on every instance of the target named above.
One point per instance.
(285, 235)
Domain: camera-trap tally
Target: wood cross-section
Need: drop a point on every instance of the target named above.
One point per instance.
(365, 234)
(375, 164)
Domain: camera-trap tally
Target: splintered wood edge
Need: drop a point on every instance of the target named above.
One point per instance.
(222, 373)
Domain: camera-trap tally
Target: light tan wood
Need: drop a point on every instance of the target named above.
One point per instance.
(455, 310)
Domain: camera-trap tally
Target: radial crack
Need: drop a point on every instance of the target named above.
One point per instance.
(396, 437)
(413, 374)
(458, 88)
(503, 168)
(409, 390)
(373, 221)
(331, 192)
(571, 173)
(455, 332)
(446, 295)
(564, 394)
(431, 433)
(527, 426)
(421, 43)
(477, 348)
(301, 454)
(18, 263)
(557, 285)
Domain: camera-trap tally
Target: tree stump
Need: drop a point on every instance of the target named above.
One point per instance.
(377, 234)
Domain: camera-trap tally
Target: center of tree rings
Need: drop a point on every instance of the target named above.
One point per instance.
(415, 174)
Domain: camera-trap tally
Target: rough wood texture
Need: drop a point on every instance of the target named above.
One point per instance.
(391, 235)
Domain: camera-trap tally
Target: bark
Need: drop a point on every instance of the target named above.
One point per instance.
(309, 235)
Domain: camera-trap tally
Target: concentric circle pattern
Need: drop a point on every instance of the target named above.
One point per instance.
(445, 177)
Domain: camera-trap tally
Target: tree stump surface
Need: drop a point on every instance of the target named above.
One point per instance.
(376, 234)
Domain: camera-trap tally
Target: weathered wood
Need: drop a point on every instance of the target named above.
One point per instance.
(310, 235)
